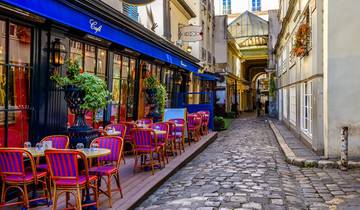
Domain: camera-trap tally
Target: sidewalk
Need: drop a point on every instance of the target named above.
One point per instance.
(297, 153)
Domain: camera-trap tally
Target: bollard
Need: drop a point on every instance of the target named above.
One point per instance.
(344, 148)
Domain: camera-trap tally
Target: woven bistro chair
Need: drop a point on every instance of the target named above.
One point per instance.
(58, 142)
(205, 118)
(163, 139)
(193, 127)
(108, 166)
(128, 138)
(144, 121)
(145, 143)
(172, 137)
(15, 176)
(66, 178)
(120, 127)
(180, 133)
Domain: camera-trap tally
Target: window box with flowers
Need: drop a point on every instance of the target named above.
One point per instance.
(302, 40)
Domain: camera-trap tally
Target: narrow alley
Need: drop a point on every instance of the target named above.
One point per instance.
(245, 169)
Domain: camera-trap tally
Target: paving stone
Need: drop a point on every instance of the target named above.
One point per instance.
(252, 205)
(245, 169)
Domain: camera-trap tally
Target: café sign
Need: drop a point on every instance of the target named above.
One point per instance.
(138, 2)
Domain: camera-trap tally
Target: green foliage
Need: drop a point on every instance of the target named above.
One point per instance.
(151, 83)
(272, 87)
(96, 93)
(219, 123)
(161, 97)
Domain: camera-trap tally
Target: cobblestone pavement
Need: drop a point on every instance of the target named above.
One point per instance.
(244, 169)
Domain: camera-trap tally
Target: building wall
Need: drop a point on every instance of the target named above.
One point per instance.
(204, 50)
(294, 71)
(341, 75)
(221, 46)
(240, 6)
(151, 14)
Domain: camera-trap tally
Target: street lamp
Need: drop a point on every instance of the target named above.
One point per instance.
(58, 53)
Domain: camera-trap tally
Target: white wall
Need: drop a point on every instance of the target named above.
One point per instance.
(342, 74)
(156, 8)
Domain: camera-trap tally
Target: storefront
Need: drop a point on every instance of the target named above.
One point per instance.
(119, 53)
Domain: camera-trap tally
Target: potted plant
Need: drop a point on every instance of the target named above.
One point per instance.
(156, 97)
(84, 92)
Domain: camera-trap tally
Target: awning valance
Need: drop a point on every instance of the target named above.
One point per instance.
(206, 76)
(64, 14)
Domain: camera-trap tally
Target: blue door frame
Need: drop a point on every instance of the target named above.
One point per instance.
(199, 107)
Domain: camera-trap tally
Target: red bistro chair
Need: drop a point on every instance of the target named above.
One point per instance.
(121, 127)
(205, 118)
(14, 175)
(172, 137)
(109, 165)
(66, 178)
(130, 126)
(193, 127)
(145, 121)
(179, 133)
(145, 143)
(58, 142)
(163, 139)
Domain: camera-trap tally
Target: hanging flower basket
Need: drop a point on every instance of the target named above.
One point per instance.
(302, 39)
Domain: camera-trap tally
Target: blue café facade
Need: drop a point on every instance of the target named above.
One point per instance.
(104, 42)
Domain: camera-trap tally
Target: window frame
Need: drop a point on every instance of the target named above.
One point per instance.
(292, 105)
(306, 108)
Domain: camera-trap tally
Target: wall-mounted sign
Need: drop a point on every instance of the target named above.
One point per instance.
(190, 33)
(138, 2)
(94, 25)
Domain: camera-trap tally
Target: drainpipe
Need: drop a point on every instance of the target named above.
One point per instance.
(344, 148)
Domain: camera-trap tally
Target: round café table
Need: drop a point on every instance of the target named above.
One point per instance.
(89, 153)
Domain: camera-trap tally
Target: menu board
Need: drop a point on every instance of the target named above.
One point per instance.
(176, 113)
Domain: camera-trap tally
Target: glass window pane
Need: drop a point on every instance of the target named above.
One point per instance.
(76, 52)
(131, 89)
(101, 64)
(90, 61)
(18, 127)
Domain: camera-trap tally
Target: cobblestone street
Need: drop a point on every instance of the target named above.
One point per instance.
(244, 169)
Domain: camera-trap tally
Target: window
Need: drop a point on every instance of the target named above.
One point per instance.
(285, 99)
(226, 7)
(256, 5)
(15, 73)
(131, 11)
(123, 89)
(306, 108)
(292, 103)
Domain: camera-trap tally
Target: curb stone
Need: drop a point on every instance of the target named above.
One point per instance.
(292, 159)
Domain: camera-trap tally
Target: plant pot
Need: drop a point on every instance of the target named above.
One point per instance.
(74, 98)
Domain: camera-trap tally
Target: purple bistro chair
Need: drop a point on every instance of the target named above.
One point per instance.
(66, 178)
(15, 176)
(109, 165)
(145, 143)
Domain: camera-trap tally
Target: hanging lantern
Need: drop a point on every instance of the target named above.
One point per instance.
(58, 53)
(138, 2)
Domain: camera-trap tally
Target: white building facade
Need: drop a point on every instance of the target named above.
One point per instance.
(318, 83)
(234, 8)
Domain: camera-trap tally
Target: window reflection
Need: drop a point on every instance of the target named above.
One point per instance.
(15, 103)
(90, 61)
